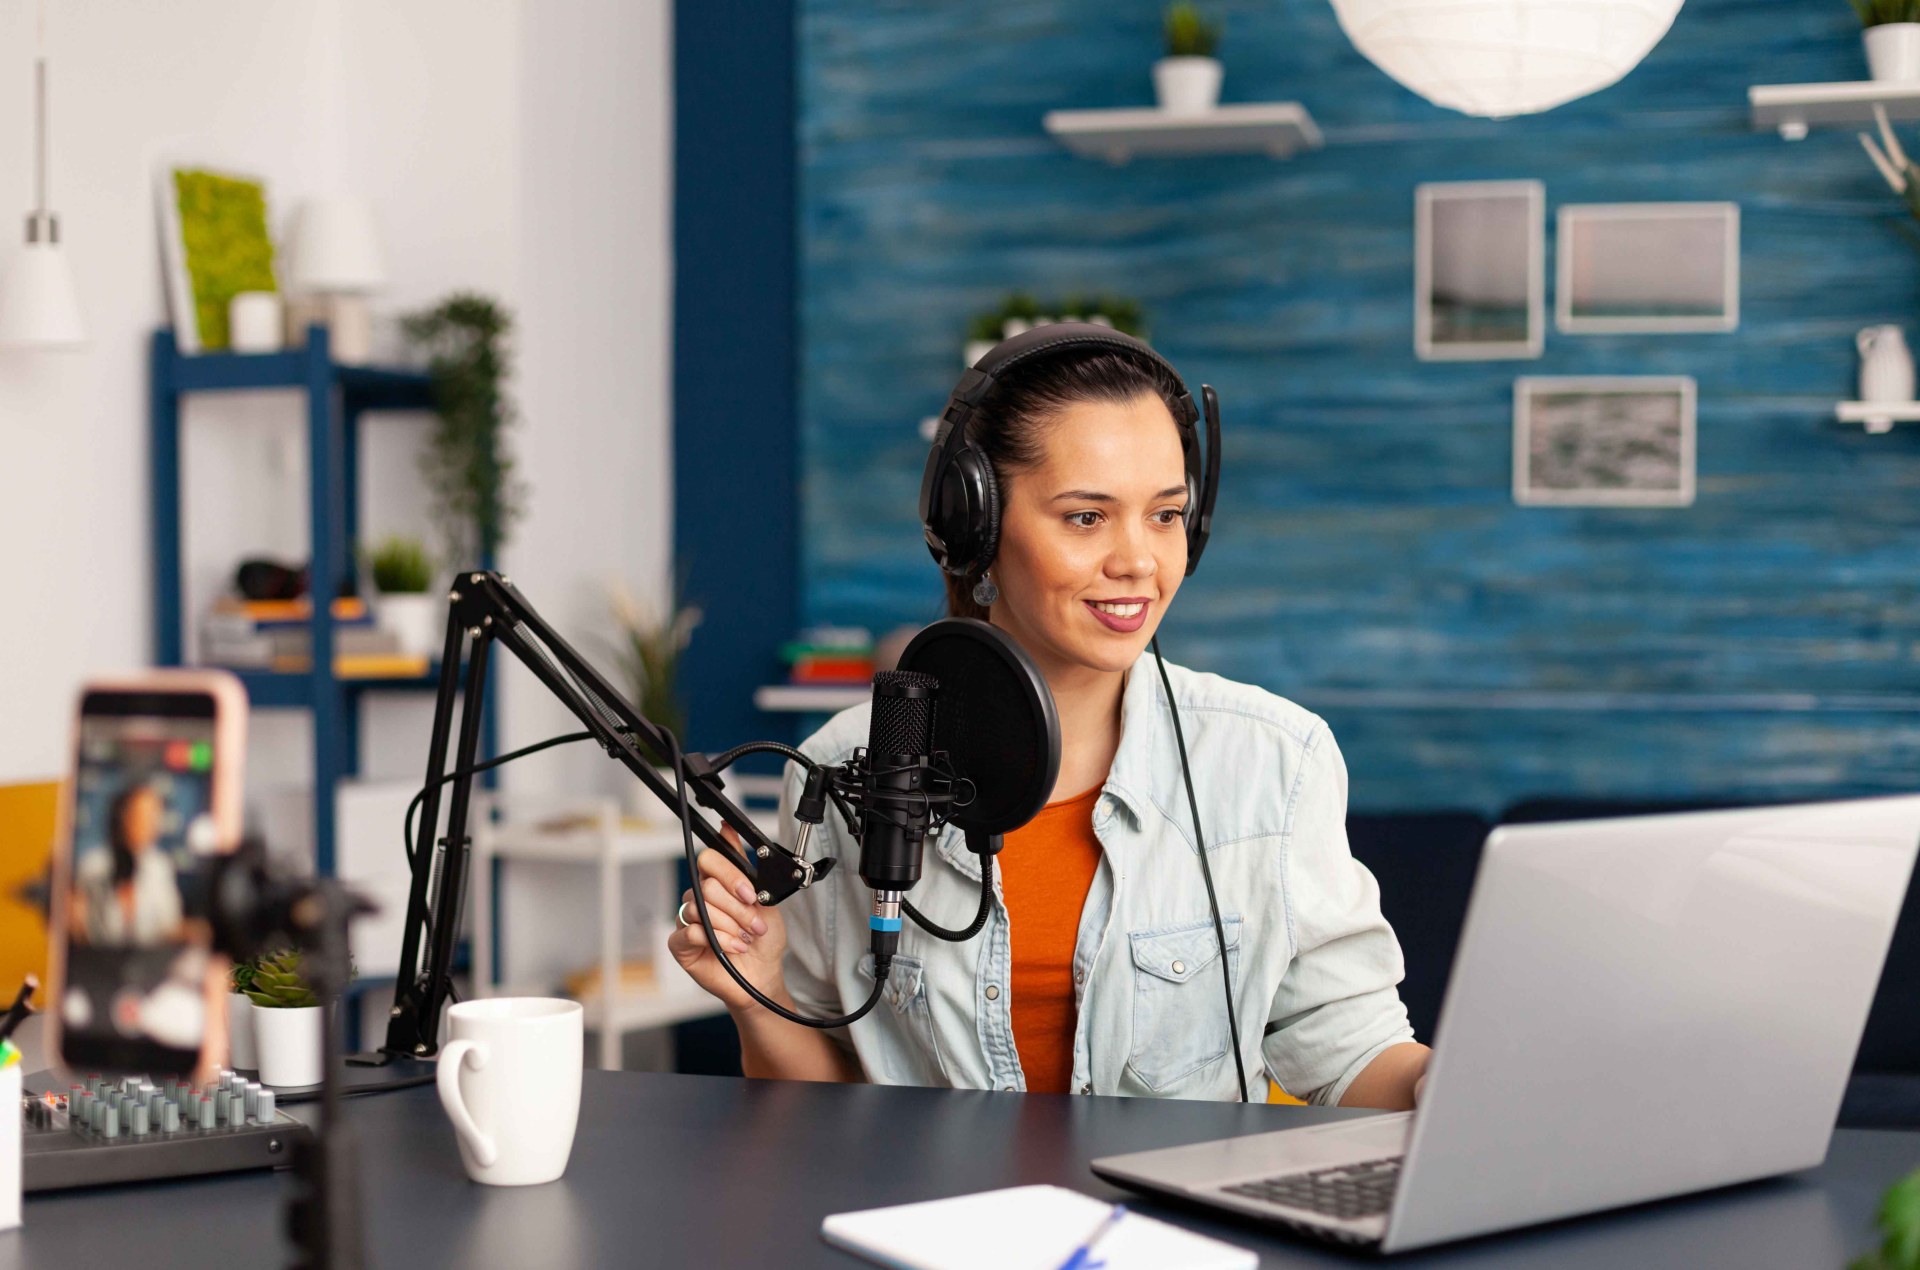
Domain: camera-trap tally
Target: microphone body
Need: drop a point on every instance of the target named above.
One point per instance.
(899, 746)
(896, 812)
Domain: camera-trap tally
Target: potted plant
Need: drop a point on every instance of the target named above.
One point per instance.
(242, 1053)
(1899, 1219)
(466, 462)
(1187, 79)
(404, 604)
(1020, 312)
(1892, 37)
(649, 656)
(286, 1021)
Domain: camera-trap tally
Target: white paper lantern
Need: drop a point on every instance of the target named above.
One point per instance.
(1505, 57)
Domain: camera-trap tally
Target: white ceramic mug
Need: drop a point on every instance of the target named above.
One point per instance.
(510, 1081)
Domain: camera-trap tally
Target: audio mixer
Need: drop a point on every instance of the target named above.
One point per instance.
(129, 1129)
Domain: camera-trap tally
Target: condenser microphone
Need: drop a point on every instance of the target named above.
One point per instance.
(899, 746)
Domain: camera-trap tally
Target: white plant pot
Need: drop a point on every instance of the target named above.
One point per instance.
(1187, 85)
(240, 1046)
(418, 621)
(1893, 50)
(288, 1041)
(650, 810)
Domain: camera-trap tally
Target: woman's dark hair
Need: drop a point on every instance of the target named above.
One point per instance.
(1010, 422)
(117, 831)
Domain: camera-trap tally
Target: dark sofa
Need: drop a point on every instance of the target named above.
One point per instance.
(1425, 863)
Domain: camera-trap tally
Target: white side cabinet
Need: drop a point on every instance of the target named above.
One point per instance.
(627, 853)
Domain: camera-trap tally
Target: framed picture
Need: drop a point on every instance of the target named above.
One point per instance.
(1648, 267)
(1616, 441)
(1479, 272)
(214, 245)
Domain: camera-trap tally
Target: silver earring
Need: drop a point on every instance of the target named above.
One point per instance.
(985, 592)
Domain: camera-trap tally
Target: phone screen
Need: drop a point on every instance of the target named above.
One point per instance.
(144, 831)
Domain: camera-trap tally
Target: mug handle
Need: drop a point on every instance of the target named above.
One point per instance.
(474, 1055)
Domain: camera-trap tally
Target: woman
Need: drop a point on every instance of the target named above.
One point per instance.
(130, 892)
(1098, 971)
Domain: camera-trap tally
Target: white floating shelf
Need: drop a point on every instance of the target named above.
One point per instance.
(809, 698)
(1278, 129)
(1793, 108)
(1878, 416)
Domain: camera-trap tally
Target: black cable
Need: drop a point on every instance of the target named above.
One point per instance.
(979, 918)
(727, 759)
(1206, 870)
(713, 939)
(414, 806)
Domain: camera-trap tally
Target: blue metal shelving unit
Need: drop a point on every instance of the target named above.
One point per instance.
(337, 397)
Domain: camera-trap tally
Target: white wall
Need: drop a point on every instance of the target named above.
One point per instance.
(512, 147)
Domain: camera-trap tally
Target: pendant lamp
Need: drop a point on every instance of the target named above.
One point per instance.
(1498, 58)
(38, 305)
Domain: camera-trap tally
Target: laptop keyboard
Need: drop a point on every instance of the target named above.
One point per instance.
(1346, 1192)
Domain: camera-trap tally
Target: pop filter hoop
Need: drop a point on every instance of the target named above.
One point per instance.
(995, 719)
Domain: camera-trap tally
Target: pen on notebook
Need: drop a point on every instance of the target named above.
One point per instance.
(1082, 1258)
(20, 1009)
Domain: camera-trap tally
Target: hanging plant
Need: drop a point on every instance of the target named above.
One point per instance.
(476, 497)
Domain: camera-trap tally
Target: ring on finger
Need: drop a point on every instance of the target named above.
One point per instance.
(680, 916)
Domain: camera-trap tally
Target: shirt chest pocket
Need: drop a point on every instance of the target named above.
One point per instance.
(911, 1055)
(1179, 1003)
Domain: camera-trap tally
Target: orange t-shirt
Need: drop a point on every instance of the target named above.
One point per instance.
(1046, 869)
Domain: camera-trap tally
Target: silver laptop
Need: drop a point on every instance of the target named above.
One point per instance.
(1640, 1008)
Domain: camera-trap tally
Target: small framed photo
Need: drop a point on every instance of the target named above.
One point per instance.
(1615, 441)
(1648, 267)
(1479, 270)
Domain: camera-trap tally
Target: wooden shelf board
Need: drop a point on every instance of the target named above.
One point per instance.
(1278, 129)
(1794, 108)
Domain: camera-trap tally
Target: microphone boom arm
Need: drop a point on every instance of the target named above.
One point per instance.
(485, 608)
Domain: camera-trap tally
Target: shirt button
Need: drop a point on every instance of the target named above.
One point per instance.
(1179, 967)
(993, 992)
(1079, 978)
(1086, 1089)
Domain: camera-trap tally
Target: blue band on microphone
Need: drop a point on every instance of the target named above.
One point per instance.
(876, 922)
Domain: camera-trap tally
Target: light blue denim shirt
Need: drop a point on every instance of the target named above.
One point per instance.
(1314, 964)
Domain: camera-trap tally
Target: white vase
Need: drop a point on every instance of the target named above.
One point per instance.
(1893, 50)
(240, 1047)
(418, 621)
(288, 1040)
(1187, 85)
(1886, 367)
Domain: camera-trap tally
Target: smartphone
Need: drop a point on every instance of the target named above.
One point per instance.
(154, 798)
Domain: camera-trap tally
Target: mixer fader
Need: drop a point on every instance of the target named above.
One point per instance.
(127, 1129)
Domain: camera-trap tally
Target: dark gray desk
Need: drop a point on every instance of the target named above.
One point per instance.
(692, 1170)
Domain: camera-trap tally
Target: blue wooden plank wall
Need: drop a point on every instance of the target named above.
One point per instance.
(1367, 558)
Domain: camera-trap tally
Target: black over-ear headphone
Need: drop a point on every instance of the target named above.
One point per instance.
(959, 497)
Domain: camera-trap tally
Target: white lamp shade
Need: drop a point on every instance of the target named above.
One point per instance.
(333, 247)
(38, 305)
(1505, 57)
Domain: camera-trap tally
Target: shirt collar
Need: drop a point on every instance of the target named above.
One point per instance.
(1132, 780)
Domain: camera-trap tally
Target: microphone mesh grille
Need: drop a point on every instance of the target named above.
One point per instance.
(901, 725)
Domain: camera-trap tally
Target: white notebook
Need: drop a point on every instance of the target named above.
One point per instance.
(1022, 1228)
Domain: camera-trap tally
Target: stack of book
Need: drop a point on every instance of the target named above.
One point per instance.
(278, 635)
(830, 655)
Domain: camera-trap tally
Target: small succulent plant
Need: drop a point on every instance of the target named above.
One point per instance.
(278, 983)
(240, 977)
(1189, 33)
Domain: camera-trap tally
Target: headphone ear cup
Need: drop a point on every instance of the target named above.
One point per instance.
(966, 512)
(990, 521)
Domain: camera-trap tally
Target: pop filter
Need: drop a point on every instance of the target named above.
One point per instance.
(995, 719)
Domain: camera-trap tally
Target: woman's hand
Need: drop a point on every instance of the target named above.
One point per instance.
(754, 938)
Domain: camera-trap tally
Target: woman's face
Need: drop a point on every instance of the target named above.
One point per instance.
(140, 819)
(1093, 544)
